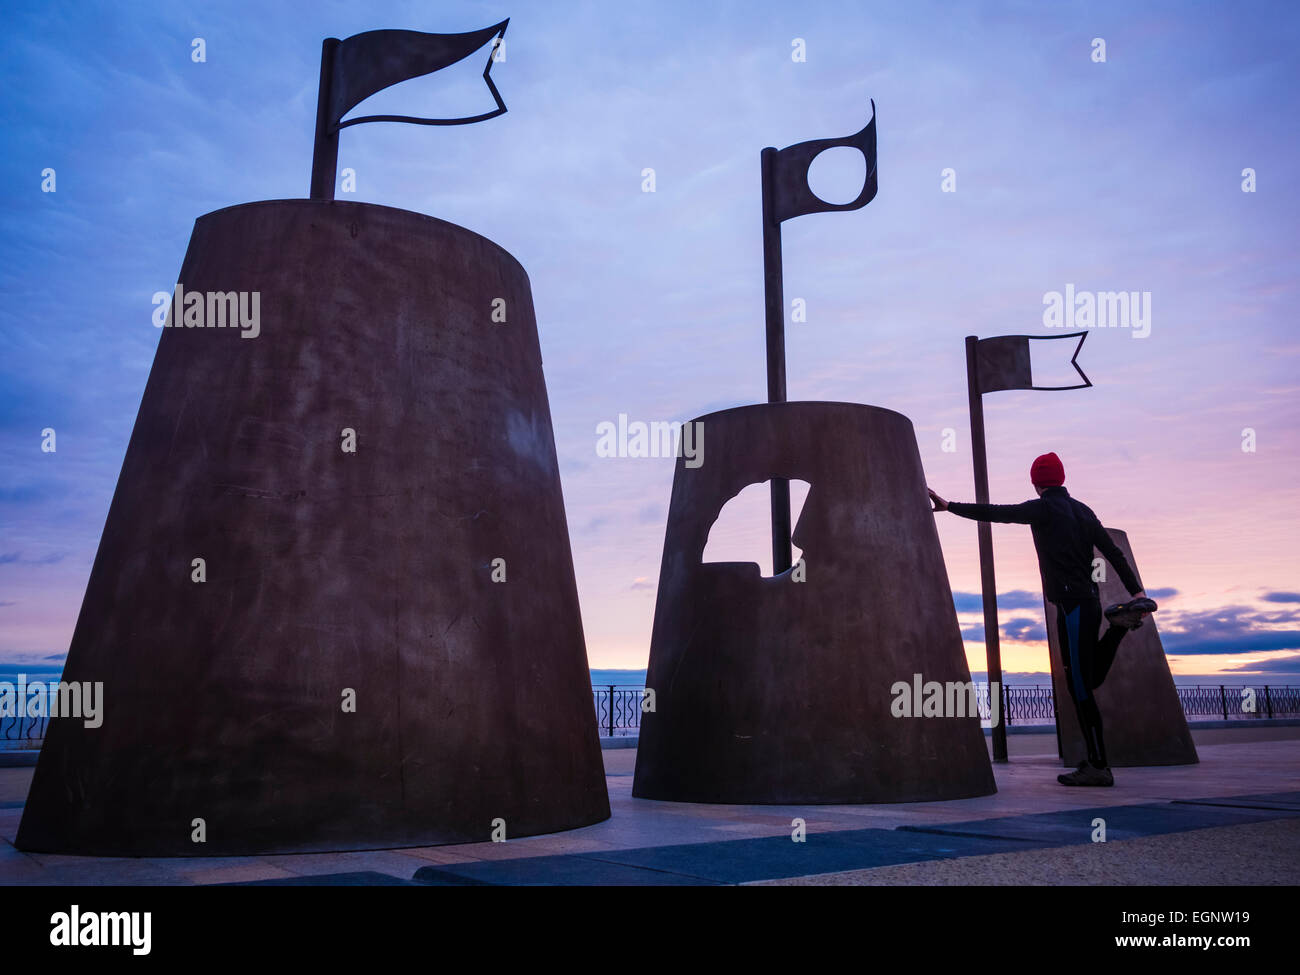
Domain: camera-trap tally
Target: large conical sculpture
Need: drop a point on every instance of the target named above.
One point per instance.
(334, 605)
(1142, 718)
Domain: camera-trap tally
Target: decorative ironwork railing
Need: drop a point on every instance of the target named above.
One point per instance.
(618, 708)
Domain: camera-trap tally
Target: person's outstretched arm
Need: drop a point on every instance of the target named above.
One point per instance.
(1024, 513)
(1115, 556)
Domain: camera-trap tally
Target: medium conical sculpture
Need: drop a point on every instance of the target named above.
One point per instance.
(1143, 719)
(777, 690)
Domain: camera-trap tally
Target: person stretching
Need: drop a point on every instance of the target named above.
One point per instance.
(1065, 532)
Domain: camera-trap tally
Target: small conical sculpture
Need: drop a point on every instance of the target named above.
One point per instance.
(1142, 718)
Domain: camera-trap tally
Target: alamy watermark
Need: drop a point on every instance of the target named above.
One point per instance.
(76, 928)
(669, 438)
(950, 699)
(1098, 309)
(209, 309)
(65, 699)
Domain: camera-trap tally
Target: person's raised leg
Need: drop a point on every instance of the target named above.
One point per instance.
(1122, 617)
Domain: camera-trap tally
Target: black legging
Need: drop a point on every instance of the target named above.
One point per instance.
(1086, 660)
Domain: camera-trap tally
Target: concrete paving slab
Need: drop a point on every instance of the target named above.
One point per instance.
(727, 861)
(776, 857)
(357, 879)
(742, 861)
(396, 863)
(1240, 776)
(1273, 800)
(1224, 856)
(1122, 822)
(557, 871)
(237, 874)
(15, 783)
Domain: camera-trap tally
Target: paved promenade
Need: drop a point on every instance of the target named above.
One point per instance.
(1234, 818)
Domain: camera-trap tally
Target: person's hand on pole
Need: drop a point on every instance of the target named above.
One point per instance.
(939, 503)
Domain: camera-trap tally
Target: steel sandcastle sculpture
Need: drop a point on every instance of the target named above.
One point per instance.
(334, 604)
(778, 690)
(1145, 720)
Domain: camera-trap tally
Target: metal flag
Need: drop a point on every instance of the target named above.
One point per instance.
(786, 194)
(1003, 362)
(352, 70)
(786, 173)
(993, 364)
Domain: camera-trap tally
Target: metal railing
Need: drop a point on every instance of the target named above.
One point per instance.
(22, 732)
(618, 708)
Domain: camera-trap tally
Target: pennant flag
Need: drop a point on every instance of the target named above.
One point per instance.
(377, 59)
(792, 197)
(1003, 362)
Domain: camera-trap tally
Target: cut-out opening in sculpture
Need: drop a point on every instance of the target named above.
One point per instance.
(742, 532)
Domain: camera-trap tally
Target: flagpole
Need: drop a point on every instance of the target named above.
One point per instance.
(988, 585)
(774, 298)
(325, 151)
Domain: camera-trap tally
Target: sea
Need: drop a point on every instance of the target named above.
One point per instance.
(619, 678)
(50, 672)
(603, 677)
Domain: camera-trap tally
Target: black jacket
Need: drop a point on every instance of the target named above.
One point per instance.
(1065, 531)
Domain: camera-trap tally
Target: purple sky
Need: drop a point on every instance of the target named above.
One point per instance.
(1121, 175)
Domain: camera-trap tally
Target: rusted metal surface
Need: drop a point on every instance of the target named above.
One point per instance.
(328, 570)
(769, 690)
(975, 385)
(1004, 362)
(789, 192)
(377, 59)
(992, 364)
(1142, 718)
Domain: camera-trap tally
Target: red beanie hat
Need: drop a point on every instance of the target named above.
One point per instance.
(1047, 471)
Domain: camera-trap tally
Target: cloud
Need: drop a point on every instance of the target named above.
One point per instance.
(641, 582)
(1281, 597)
(1279, 664)
(33, 659)
(1230, 629)
(16, 558)
(666, 318)
(973, 602)
(1023, 629)
(1225, 630)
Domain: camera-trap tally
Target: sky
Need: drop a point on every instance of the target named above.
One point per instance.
(1122, 174)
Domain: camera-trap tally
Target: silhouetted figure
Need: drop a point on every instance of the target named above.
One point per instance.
(1065, 534)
